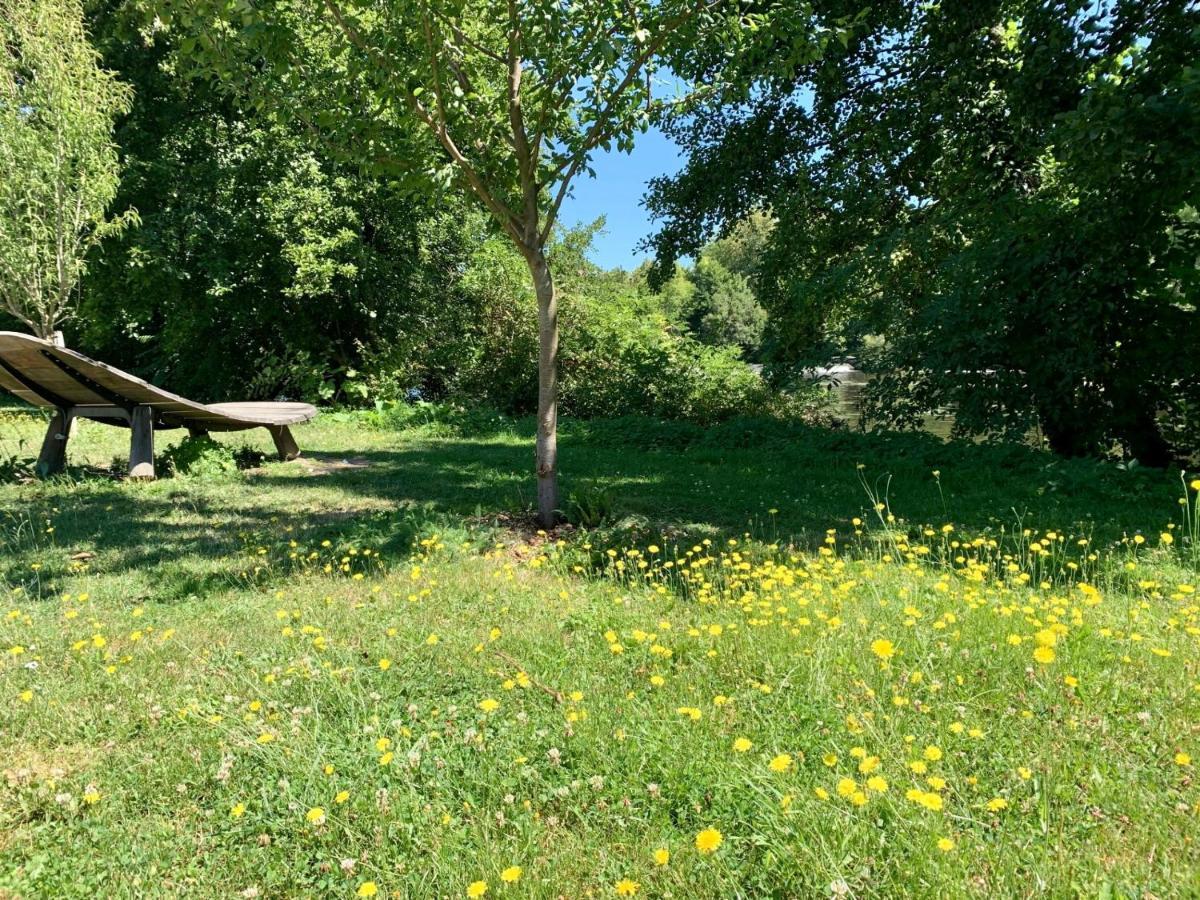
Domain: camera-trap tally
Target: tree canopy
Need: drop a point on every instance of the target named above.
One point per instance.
(58, 162)
(1005, 191)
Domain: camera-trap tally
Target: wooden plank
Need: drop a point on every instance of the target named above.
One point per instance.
(141, 444)
(29, 355)
(267, 413)
(53, 458)
(42, 372)
(285, 444)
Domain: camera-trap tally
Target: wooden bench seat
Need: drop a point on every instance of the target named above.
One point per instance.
(74, 386)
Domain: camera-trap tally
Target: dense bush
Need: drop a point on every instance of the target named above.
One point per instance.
(202, 457)
(622, 362)
(623, 351)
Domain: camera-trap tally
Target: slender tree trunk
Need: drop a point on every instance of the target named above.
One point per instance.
(547, 411)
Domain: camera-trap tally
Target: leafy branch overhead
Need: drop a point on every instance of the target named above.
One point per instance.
(515, 97)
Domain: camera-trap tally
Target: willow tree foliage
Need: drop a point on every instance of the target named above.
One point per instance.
(1005, 190)
(505, 101)
(58, 163)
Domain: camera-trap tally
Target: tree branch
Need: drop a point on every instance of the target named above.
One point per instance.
(602, 128)
(526, 164)
(508, 220)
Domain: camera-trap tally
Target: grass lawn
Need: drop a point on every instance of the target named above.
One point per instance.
(366, 673)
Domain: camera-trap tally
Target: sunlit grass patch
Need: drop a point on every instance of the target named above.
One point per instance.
(273, 703)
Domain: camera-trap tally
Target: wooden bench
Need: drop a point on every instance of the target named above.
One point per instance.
(74, 386)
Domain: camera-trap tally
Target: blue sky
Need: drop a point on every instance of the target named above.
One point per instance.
(616, 192)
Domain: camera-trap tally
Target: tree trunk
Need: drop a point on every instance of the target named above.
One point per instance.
(1070, 429)
(547, 411)
(1144, 439)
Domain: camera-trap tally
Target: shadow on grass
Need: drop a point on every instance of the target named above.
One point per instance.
(190, 541)
(774, 481)
(190, 538)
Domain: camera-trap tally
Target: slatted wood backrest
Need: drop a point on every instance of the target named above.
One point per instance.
(45, 375)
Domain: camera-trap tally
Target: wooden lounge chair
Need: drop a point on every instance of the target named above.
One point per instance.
(74, 386)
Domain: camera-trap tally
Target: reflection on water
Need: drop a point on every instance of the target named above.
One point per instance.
(846, 384)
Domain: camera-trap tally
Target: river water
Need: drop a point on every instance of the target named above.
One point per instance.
(846, 384)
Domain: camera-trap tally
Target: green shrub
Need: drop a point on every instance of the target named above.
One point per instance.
(628, 359)
(589, 506)
(202, 457)
(15, 467)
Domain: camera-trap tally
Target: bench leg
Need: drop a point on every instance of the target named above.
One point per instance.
(141, 444)
(53, 458)
(285, 444)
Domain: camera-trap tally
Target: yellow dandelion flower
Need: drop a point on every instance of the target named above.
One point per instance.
(511, 875)
(237, 810)
(741, 745)
(1046, 637)
(1044, 655)
(367, 889)
(489, 705)
(945, 844)
(316, 816)
(781, 763)
(883, 649)
(1182, 759)
(708, 840)
(662, 856)
(626, 887)
(477, 889)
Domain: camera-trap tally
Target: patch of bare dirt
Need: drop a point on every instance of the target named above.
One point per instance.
(325, 465)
